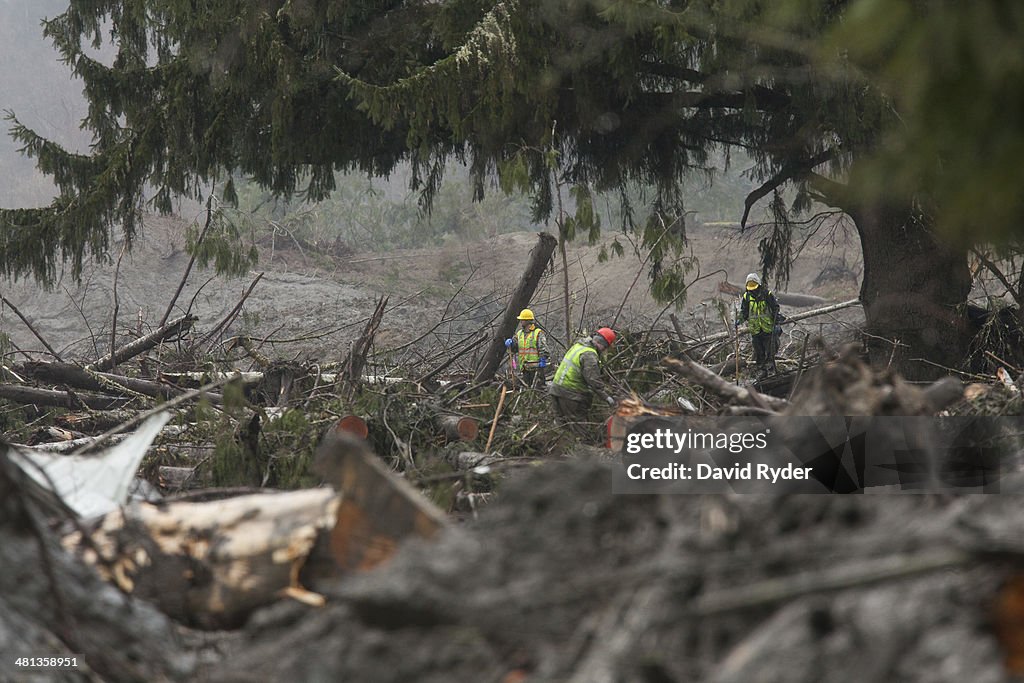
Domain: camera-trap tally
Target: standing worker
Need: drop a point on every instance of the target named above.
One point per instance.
(578, 377)
(760, 310)
(531, 347)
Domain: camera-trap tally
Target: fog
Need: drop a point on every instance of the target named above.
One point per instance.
(39, 89)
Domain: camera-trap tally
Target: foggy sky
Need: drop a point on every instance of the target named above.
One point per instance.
(38, 87)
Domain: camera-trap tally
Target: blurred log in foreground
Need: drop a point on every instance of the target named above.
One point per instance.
(210, 564)
(377, 511)
(51, 603)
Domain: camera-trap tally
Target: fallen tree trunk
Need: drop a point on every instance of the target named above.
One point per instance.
(177, 478)
(143, 344)
(458, 427)
(68, 446)
(101, 420)
(254, 377)
(194, 379)
(81, 378)
(80, 442)
(210, 564)
(61, 399)
(719, 336)
(539, 258)
(784, 298)
(94, 421)
(696, 372)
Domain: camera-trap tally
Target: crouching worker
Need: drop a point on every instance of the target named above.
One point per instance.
(578, 378)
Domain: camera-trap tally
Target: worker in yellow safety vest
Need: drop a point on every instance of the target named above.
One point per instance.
(760, 310)
(578, 377)
(530, 348)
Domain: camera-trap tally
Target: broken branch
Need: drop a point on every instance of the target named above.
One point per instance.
(143, 344)
(696, 372)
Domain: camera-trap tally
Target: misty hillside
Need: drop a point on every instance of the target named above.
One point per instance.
(38, 89)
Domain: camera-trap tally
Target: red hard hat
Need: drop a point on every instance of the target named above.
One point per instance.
(608, 334)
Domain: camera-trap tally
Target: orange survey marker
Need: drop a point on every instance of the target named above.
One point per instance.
(377, 510)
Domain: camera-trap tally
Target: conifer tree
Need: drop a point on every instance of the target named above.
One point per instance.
(592, 94)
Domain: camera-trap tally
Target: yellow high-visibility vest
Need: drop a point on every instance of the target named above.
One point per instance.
(759, 318)
(570, 371)
(528, 349)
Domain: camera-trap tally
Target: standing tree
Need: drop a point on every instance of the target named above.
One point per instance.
(289, 91)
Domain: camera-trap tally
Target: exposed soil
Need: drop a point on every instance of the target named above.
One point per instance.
(304, 295)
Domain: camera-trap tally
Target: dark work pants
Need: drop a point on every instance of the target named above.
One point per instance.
(764, 354)
(573, 414)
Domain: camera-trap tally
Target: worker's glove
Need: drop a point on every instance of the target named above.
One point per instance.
(508, 343)
(609, 400)
(542, 363)
(737, 324)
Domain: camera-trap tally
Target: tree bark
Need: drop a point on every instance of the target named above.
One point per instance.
(60, 399)
(74, 376)
(914, 293)
(914, 289)
(539, 258)
(352, 368)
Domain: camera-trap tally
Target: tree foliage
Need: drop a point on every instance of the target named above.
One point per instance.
(619, 93)
(954, 72)
(199, 92)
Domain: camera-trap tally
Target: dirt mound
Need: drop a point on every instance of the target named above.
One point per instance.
(562, 581)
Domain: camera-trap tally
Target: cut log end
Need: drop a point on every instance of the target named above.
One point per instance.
(352, 424)
(459, 428)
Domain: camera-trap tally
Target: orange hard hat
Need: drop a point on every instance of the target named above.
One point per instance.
(607, 334)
